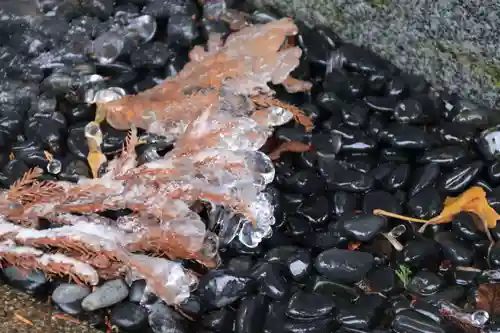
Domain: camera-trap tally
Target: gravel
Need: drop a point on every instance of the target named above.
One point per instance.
(14, 302)
(453, 43)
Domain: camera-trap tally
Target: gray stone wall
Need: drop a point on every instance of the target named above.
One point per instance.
(453, 43)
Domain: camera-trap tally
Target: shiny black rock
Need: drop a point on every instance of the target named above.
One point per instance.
(219, 288)
(344, 265)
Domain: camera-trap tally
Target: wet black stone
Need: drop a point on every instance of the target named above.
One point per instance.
(129, 316)
(381, 171)
(407, 136)
(363, 227)
(339, 177)
(359, 142)
(299, 264)
(298, 226)
(323, 325)
(150, 55)
(76, 141)
(113, 140)
(425, 283)
(446, 156)
(409, 111)
(465, 225)
(376, 123)
(73, 169)
(355, 115)
(169, 8)
(219, 288)
(275, 316)
(464, 277)
(424, 177)
(363, 314)
(315, 45)
(307, 306)
(494, 257)
(80, 112)
(336, 290)
(31, 282)
(343, 202)
(343, 265)
(251, 308)
(136, 292)
(415, 252)
(454, 250)
(219, 321)
(304, 181)
(425, 204)
(241, 264)
(453, 133)
(381, 200)
(382, 279)
(414, 322)
(362, 60)
(30, 153)
(182, 30)
(329, 102)
(68, 297)
(326, 145)
(460, 179)
(13, 171)
(380, 103)
(494, 172)
(270, 279)
(314, 209)
(298, 134)
(398, 177)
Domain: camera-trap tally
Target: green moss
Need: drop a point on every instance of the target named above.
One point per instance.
(478, 65)
(489, 69)
(379, 3)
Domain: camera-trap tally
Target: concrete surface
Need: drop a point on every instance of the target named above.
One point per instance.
(453, 43)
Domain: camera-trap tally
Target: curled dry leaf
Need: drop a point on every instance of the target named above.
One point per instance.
(289, 146)
(488, 298)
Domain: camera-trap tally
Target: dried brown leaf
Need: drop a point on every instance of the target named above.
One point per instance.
(488, 298)
(289, 146)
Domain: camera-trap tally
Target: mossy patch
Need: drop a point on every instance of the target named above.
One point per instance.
(478, 64)
(379, 3)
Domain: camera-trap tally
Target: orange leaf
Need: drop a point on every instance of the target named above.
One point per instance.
(291, 146)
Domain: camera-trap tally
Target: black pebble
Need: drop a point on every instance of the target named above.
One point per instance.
(363, 227)
(129, 316)
(344, 265)
(307, 306)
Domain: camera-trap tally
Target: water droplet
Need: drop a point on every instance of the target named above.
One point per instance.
(92, 130)
(480, 318)
(54, 167)
(109, 94)
(278, 116)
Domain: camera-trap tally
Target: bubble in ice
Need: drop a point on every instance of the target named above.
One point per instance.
(108, 46)
(108, 95)
(278, 116)
(261, 164)
(93, 131)
(143, 26)
(480, 318)
(54, 167)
